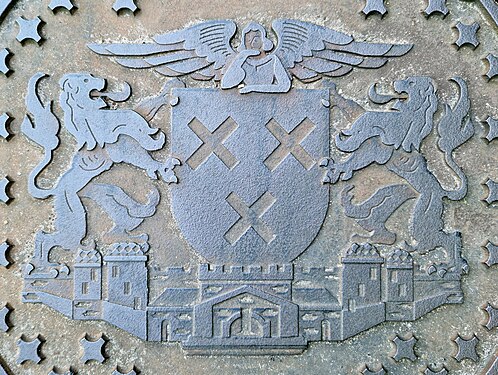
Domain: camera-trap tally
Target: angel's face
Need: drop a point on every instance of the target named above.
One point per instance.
(253, 40)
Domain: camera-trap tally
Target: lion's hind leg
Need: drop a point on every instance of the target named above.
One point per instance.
(373, 213)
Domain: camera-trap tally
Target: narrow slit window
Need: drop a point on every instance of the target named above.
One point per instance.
(84, 288)
(127, 288)
(361, 290)
(373, 273)
(403, 290)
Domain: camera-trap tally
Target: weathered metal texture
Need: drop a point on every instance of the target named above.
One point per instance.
(56, 5)
(5, 55)
(435, 7)
(305, 51)
(4, 7)
(29, 29)
(272, 137)
(492, 66)
(116, 250)
(466, 348)
(467, 34)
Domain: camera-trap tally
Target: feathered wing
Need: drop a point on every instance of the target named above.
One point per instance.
(200, 51)
(310, 52)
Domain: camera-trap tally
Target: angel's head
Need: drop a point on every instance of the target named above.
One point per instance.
(254, 37)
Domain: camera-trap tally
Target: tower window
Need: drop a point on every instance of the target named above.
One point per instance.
(352, 305)
(361, 290)
(115, 271)
(93, 274)
(373, 273)
(127, 288)
(84, 288)
(403, 290)
(394, 276)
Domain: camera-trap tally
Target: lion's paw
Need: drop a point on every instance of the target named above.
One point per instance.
(332, 173)
(166, 171)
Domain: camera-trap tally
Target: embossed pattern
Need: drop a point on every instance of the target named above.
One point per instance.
(29, 30)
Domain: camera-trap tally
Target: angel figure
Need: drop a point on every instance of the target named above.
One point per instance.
(304, 50)
(254, 67)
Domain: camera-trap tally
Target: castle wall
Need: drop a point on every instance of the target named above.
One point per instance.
(127, 281)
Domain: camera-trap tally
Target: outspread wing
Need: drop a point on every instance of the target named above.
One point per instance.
(200, 51)
(310, 52)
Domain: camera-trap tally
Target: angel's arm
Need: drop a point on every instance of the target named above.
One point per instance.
(281, 79)
(235, 74)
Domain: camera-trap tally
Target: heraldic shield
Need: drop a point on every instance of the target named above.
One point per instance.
(250, 189)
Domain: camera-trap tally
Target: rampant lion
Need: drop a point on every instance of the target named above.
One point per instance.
(393, 138)
(104, 137)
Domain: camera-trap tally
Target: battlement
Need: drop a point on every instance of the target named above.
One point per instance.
(362, 253)
(175, 273)
(244, 273)
(400, 259)
(126, 252)
(87, 258)
(316, 273)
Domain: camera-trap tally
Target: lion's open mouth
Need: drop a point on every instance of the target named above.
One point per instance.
(95, 94)
(115, 96)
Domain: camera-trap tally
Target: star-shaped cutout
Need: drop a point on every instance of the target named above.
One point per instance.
(374, 6)
(29, 29)
(56, 371)
(493, 66)
(61, 4)
(467, 34)
(436, 6)
(5, 119)
(29, 350)
(492, 128)
(431, 371)
(4, 184)
(368, 371)
(4, 316)
(492, 317)
(492, 191)
(405, 348)
(120, 5)
(5, 55)
(492, 254)
(466, 348)
(93, 349)
(4, 261)
(118, 371)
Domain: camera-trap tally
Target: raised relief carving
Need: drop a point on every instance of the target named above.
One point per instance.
(250, 195)
(105, 137)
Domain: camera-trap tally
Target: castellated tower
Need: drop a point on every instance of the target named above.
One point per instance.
(88, 276)
(362, 305)
(87, 287)
(399, 278)
(127, 275)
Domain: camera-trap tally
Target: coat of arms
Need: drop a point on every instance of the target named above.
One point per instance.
(252, 163)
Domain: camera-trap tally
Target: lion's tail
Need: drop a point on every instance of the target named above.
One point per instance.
(454, 129)
(43, 131)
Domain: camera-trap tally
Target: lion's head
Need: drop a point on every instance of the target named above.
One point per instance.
(76, 100)
(406, 126)
(419, 109)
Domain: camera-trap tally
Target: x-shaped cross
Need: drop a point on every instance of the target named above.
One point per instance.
(250, 217)
(290, 143)
(212, 143)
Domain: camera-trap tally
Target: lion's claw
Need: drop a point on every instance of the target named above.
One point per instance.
(166, 170)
